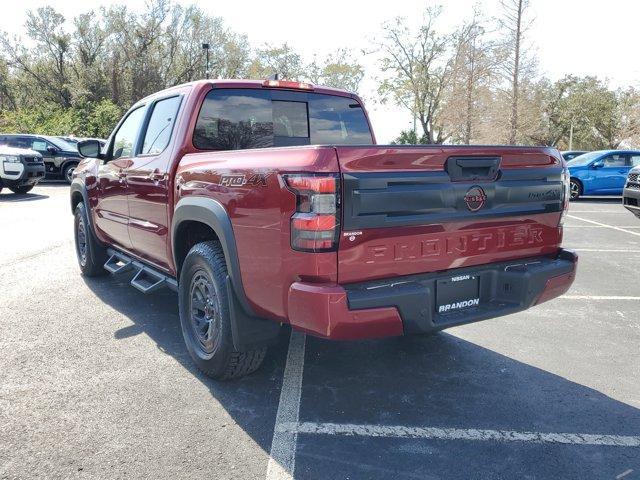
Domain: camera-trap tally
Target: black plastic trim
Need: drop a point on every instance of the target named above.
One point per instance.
(78, 186)
(398, 199)
(504, 288)
(212, 213)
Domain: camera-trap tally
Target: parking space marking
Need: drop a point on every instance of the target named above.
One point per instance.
(282, 459)
(599, 226)
(605, 225)
(618, 212)
(598, 297)
(436, 433)
(605, 250)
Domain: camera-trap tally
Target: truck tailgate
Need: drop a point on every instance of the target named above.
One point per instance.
(409, 210)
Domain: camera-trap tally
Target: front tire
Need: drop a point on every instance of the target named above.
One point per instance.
(205, 316)
(22, 190)
(68, 172)
(90, 254)
(575, 189)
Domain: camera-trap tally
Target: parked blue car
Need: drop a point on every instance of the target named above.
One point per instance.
(602, 172)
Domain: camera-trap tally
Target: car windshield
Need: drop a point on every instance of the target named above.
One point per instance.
(584, 159)
(62, 144)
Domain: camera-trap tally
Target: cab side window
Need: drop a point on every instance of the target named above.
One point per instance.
(18, 142)
(125, 137)
(160, 126)
(38, 145)
(634, 160)
(615, 160)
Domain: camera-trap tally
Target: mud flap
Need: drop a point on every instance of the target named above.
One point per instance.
(249, 332)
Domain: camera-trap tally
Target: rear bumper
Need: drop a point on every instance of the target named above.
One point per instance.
(631, 200)
(407, 305)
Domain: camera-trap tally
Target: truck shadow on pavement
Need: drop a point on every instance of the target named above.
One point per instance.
(25, 197)
(439, 381)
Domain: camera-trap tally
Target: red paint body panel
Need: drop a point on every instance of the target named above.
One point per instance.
(379, 253)
(322, 310)
(433, 157)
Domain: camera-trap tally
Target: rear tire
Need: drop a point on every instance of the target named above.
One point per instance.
(575, 187)
(22, 190)
(90, 254)
(205, 316)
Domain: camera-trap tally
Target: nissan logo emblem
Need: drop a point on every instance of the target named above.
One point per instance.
(475, 198)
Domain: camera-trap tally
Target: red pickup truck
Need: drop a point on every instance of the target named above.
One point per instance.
(265, 203)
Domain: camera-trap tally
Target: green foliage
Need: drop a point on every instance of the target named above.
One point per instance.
(101, 119)
(86, 120)
(588, 111)
(76, 76)
(409, 137)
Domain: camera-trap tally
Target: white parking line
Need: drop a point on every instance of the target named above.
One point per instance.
(605, 225)
(598, 297)
(282, 460)
(605, 250)
(353, 430)
(599, 226)
(618, 212)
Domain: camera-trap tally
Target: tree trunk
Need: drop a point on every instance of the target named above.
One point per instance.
(469, 115)
(513, 120)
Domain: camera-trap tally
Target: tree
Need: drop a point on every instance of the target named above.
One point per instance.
(338, 70)
(408, 137)
(418, 66)
(45, 67)
(472, 74)
(282, 60)
(514, 23)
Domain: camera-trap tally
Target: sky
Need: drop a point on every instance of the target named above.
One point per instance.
(579, 37)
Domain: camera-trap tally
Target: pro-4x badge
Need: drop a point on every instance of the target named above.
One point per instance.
(240, 180)
(475, 198)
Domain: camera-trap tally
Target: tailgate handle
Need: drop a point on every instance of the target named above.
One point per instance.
(472, 168)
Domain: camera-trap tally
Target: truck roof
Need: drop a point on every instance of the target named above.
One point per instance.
(239, 83)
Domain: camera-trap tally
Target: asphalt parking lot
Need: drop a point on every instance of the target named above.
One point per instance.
(95, 381)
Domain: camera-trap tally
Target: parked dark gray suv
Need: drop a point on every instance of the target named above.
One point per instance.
(60, 157)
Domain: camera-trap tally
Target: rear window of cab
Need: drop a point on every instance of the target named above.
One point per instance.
(234, 119)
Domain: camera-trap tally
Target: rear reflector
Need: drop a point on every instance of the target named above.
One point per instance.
(315, 225)
(287, 84)
(314, 222)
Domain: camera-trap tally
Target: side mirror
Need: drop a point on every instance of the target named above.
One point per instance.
(52, 150)
(89, 148)
(597, 164)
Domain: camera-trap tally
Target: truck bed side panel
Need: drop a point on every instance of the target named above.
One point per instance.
(249, 185)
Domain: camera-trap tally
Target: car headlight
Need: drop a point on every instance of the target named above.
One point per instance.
(9, 158)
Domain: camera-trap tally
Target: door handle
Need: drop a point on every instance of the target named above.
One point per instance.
(156, 175)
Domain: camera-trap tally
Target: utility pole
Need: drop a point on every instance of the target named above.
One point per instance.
(571, 136)
(205, 47)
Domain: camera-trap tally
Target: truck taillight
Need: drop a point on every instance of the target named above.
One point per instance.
(566, 194)
(315, 226)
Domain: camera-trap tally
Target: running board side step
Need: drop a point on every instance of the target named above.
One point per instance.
(146, 278)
